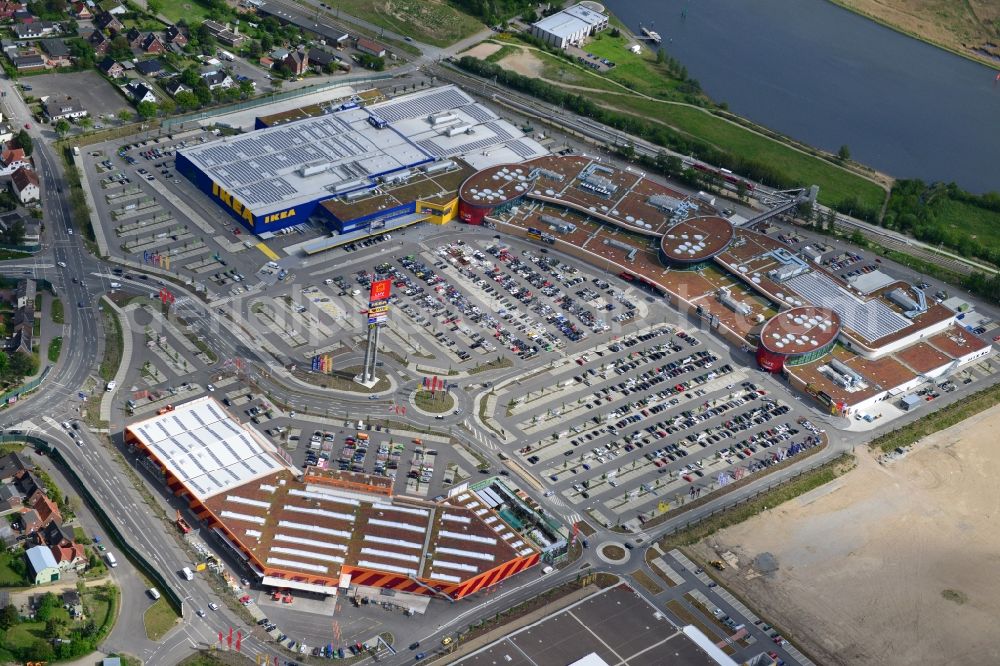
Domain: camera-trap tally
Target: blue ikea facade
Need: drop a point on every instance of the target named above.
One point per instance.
(272, 221)
(300, 213)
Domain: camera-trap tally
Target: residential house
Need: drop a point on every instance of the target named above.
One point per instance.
(57, 53)
(35, 29)
(297, 62)
(12, 159)
(108, 22)
(10, 500)
(30, 521)
(72, 556)
(149, 67)
(27, 290)
(32, 232)
(81, 11)
(217, 79)
(225, 35)
(56, 534)
(24, 15)
(266, 62)
(13, 464)
(151, 43)
(58, 107)
(174, 86)
(7, 10)
(25, 480)
(23, 326)
(139, 92)
(42, 564)
(174, 35)
(320, 59)
(29, 62)
(72, 602)
(369, 46)
(45, 508)
(8, 537)
(24, 182)
(134, 38)
(100, 42)
(112, 68)
(113, 7)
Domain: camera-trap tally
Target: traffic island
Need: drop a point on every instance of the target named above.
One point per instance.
(613, 552)
(433, 402)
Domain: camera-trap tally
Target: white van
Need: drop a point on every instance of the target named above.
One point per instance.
(154, 593)
(188, 574)
(109, 557)
(547, 570)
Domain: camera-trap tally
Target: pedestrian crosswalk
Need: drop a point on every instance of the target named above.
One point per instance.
(573, 518)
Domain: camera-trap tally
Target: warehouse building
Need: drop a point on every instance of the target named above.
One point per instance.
(279, 176)
(570, 26)
(322, 530)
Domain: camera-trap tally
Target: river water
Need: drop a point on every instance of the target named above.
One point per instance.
(828, 77)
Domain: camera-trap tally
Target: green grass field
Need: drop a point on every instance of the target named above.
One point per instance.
(58, 316)
(9, 577)
(979, 223)
(640, 72)
(428, 21)
(55, 347)
(159, 619)
(835, 183)
(22, 635)
(191, 11)
(436, 403)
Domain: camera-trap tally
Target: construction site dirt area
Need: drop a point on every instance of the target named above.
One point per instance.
(892, 563)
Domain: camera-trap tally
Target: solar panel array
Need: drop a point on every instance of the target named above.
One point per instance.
(204, 449)
(413, 107)
(872, 319)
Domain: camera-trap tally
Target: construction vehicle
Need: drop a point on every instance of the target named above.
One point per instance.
(718, 565)
(182, 524)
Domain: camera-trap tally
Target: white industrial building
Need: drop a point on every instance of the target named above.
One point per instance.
(569, 26)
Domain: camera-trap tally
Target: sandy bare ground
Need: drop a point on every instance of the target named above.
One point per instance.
(964, 26)
(482, 51)
(894, 564)
(524, 63)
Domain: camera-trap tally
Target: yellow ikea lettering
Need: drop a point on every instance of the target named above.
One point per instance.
(234, 203)
(279, 216)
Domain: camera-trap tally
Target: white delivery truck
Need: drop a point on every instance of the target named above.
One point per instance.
(188, 574)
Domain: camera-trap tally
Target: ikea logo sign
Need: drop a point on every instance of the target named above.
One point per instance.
(279, 216)
(234, 203)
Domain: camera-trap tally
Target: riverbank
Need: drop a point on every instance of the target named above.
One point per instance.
(926, 24)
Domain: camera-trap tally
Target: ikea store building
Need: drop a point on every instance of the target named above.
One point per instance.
(280, 176)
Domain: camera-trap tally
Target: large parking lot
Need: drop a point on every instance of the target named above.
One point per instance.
(618, 625)
(626, 400)
(88, 88)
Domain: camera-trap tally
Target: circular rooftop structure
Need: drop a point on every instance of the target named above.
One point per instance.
(696, 239)
(801, 330)
(495, 185)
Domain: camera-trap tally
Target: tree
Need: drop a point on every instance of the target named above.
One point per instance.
(9, 616)
(86, 122)
(661, 56)
(266, 42)
(120, 49)
(125, 116)
(23, 141)
(246, 88)
(13, 234)
(190, 77)
(62, 127)
(147, 110)
(844, 153)
(186, 99)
